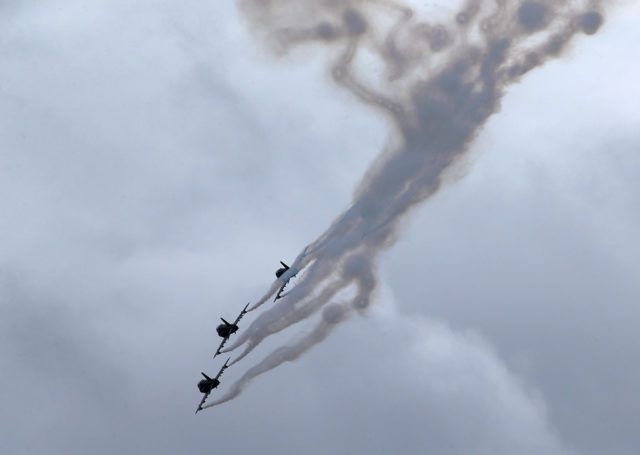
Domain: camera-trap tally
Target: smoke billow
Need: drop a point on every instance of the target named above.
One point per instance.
(439, 84)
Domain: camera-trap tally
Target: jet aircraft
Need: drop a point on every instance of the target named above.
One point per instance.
(284, 274)
(226, 329)
(207, 384)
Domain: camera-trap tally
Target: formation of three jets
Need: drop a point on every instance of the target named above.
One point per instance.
(226, 329)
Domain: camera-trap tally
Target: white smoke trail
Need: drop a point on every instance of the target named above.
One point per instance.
(442, 82)
(332, 315)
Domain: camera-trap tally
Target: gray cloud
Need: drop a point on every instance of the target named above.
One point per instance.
(138, 207)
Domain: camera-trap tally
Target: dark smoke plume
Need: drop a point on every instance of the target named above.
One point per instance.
(441, 82)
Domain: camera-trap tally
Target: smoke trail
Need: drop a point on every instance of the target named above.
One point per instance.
(441, 82)
(355, 270)
(332, 315)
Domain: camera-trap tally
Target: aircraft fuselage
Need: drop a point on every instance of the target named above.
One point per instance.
(286, 275)
(207, 385)
(226, 330)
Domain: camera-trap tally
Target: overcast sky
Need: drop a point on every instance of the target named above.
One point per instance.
(155, 165)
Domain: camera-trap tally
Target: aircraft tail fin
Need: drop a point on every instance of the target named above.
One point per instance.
(284, 265)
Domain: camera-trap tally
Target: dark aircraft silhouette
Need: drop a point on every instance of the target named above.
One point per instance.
(284, 274)
(282, 269)
(207, 384)
(226, 329)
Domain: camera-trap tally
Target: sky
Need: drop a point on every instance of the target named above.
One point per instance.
(157, 161)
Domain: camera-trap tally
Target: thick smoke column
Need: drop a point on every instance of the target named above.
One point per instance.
(441, 82)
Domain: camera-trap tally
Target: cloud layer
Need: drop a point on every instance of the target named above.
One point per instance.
(129, 134)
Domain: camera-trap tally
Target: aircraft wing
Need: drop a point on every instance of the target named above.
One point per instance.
(279, 294)
(204, 398)
(224, 340)
(224, 367)
(242, 313)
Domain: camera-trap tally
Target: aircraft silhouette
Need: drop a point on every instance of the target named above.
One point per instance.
(207, 384)
(284, 274)
(226, 329)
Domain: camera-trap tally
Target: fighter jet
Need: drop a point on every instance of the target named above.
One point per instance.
(207, 384)
(284, 274)
(226, 329)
